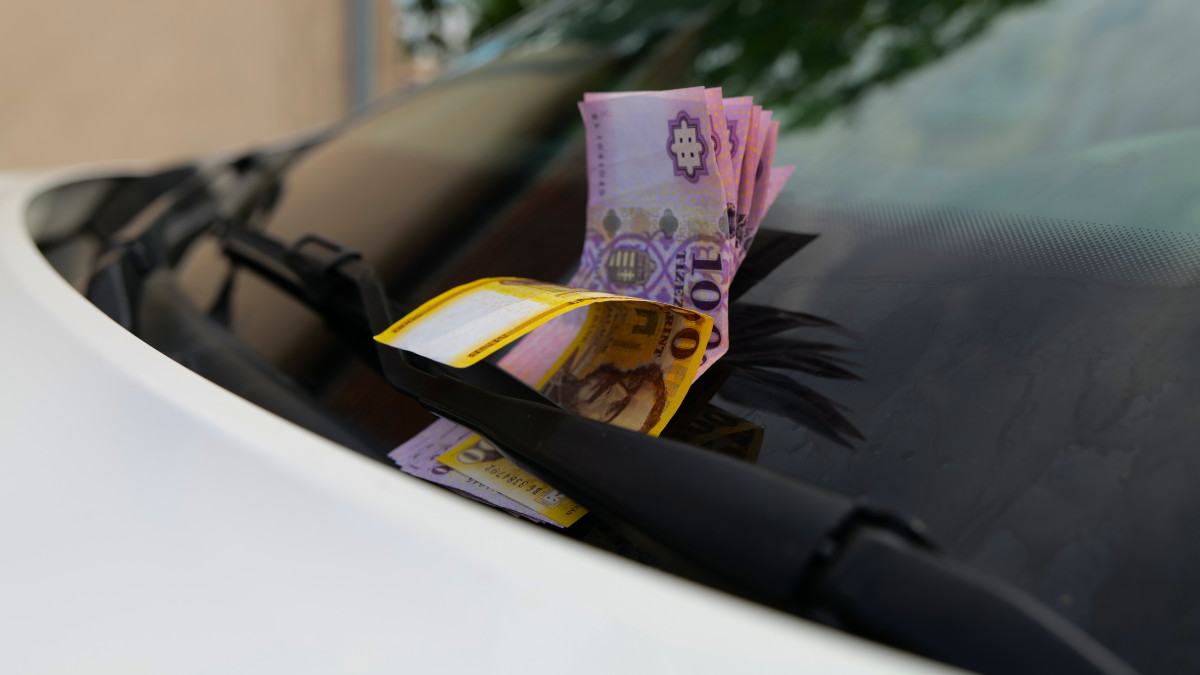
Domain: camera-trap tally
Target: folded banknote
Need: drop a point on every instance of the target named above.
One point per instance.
(653, 349)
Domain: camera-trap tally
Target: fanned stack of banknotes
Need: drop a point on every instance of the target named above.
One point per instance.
(678, 182)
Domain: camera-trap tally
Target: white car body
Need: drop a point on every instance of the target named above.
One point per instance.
(154, 522)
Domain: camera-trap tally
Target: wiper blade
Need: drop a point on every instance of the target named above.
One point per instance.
(337, 284)
(788, 543)
(785, 542)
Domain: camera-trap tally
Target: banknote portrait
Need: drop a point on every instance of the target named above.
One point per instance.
(633, 398)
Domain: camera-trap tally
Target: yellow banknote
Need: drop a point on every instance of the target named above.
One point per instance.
(629, 363)
(479, 459)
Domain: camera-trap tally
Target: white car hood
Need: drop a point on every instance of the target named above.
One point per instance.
(154, 522)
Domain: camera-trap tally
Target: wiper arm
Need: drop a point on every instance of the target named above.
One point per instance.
(784, 542)
(788, 543)
(343, 289)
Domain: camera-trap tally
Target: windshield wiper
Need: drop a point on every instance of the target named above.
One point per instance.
(787, 543)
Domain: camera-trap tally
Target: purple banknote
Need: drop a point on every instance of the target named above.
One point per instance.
(737, 123)
(419, 457)
(657, 216)
(763, 177)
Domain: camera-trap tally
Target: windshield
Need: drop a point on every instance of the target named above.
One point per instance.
(1075, 110)
(992, 228)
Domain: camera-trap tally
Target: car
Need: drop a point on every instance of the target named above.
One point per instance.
(954, 418)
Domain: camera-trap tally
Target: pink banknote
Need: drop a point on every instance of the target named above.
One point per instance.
(657, 222)
(418, 457)
(752, 169)
(719, 127)
(737, 123)
(764, 175)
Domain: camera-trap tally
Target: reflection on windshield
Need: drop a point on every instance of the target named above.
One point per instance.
(759, 374)
(804, 60)
(1075, 109)
(768, 348)
(766, 340)
(716, 429)
(807, 60)
(1080, 110)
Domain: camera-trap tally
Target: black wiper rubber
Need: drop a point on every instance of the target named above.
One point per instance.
(784, 542)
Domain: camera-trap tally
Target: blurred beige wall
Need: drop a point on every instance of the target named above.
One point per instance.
(87, 80)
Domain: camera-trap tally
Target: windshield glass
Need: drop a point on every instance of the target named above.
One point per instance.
(1076, 110)
(992, 229)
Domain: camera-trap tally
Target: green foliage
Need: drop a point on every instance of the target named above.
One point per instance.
(492, 13)
(808, 59)
(805, 59)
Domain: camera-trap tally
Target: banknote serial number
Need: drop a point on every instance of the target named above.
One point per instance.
(514, 480)
(705, 294)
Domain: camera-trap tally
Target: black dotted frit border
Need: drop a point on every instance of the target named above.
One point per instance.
(1132, 255)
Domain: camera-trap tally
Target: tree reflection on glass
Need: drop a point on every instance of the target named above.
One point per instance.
(805, 60)
(774, 355)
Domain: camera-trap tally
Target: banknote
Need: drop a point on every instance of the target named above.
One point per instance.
(749, 159)
(630, 363)
(719, 128)
(737, 122)
(756, 134)
(762, 187)
(611, 373)
(444, 440)
(477, 459)
(650, 233)
(657, 225)
(418, 457)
